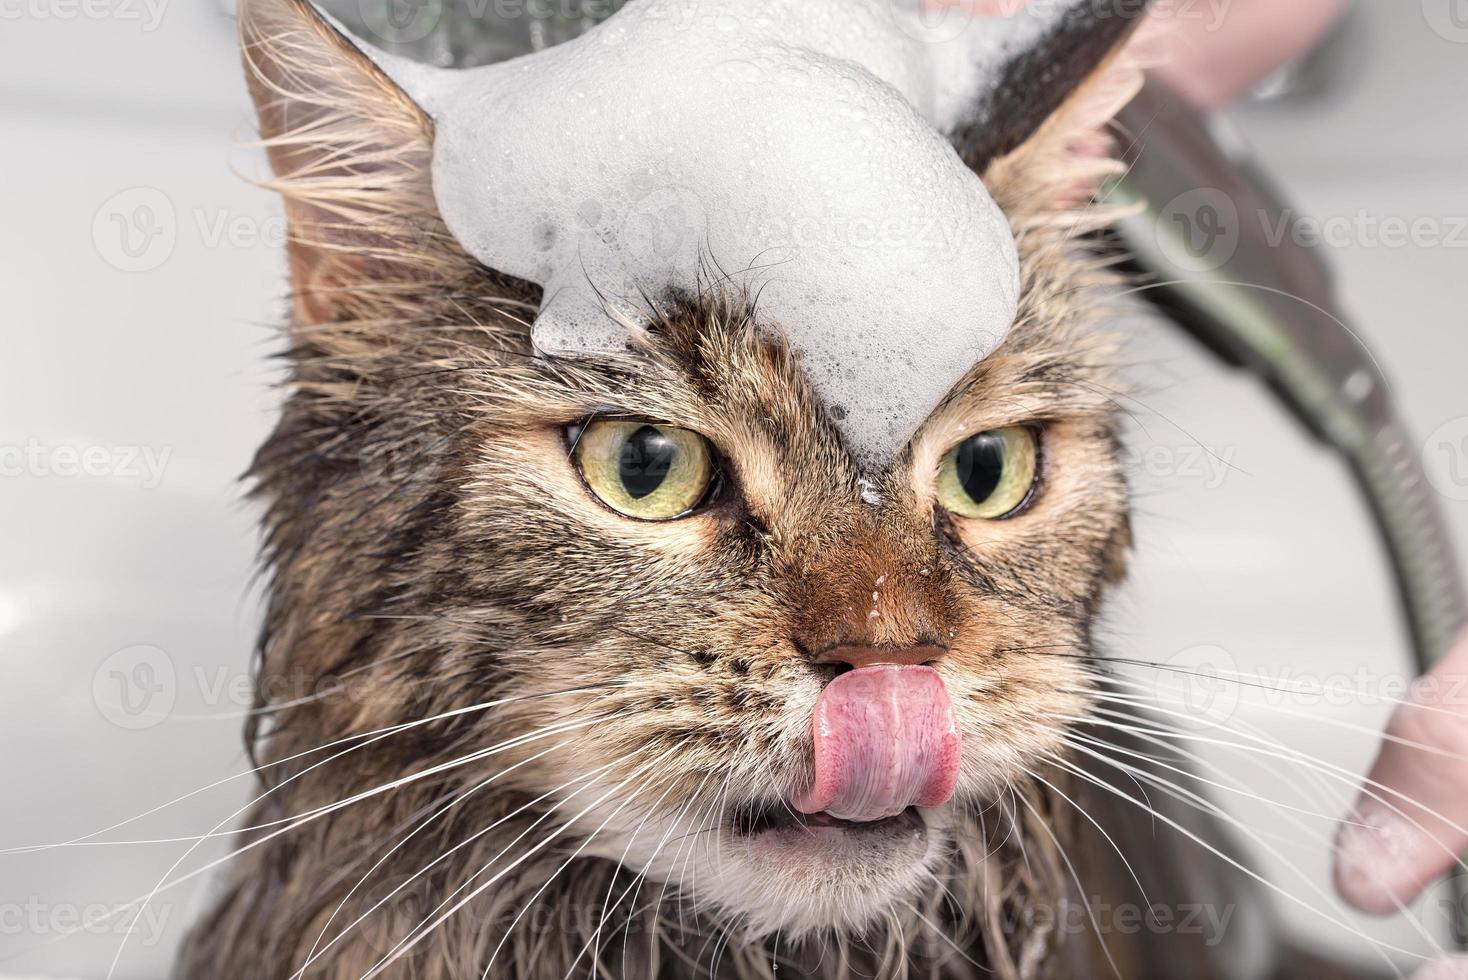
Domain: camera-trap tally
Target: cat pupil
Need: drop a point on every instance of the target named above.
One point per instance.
(980, 464)
(647, 456)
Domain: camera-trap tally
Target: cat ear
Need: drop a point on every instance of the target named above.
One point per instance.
(351, 152)
(1039, 135)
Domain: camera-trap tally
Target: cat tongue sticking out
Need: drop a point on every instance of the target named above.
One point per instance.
(885, 740)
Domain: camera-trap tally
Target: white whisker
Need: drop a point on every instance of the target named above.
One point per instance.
(408, 943)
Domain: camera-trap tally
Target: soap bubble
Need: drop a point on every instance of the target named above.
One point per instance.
(662, 227)
(796, 143)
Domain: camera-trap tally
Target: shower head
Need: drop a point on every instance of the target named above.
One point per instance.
(1265, 303)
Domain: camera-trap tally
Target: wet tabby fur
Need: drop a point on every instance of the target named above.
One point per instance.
(431, 549)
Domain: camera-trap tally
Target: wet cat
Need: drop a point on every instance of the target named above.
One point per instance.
(620, 665)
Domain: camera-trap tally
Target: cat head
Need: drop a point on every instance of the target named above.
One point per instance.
(650, 593)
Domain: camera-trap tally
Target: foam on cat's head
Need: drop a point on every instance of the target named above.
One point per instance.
(793, 145)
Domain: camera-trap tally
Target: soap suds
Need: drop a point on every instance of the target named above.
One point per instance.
(795, 145)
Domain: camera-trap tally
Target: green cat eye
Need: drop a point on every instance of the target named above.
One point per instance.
(990, 475)
(650, 472)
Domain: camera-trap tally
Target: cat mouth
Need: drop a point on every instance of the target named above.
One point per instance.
(778, 820)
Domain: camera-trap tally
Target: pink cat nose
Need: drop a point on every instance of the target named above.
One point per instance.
(858, 657)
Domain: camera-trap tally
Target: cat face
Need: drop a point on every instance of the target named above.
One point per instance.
(706, 634)
(643, 610)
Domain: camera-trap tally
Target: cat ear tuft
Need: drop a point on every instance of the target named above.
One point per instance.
(351, 153)
(1040, 134)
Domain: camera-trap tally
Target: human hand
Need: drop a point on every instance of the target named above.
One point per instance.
(1410, 822)
(1451, 968)
(1215, 52)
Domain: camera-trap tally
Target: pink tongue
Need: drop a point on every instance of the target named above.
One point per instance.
(885, 740)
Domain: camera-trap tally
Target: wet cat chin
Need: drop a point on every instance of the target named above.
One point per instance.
(775, 871)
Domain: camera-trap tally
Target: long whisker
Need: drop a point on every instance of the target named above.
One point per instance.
(589, 778)
(380, 732)
(442, 811)
(1205, 805)
(1328, 720)
(224, 830)
(1212, 849)
(1276, 749)
(564, 865)
(642, 878)
(937, 931)
(1191, 774)
(606, 907)
(408, 943)
(1076, 878)
(165, 884)
(1126, 862)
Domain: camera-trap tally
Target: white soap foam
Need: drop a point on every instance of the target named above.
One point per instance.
(793, 144)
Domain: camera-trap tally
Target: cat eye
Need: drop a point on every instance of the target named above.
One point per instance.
(991, 475)
(647, 471)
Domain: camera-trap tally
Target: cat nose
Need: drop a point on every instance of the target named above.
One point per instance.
(857, 657)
